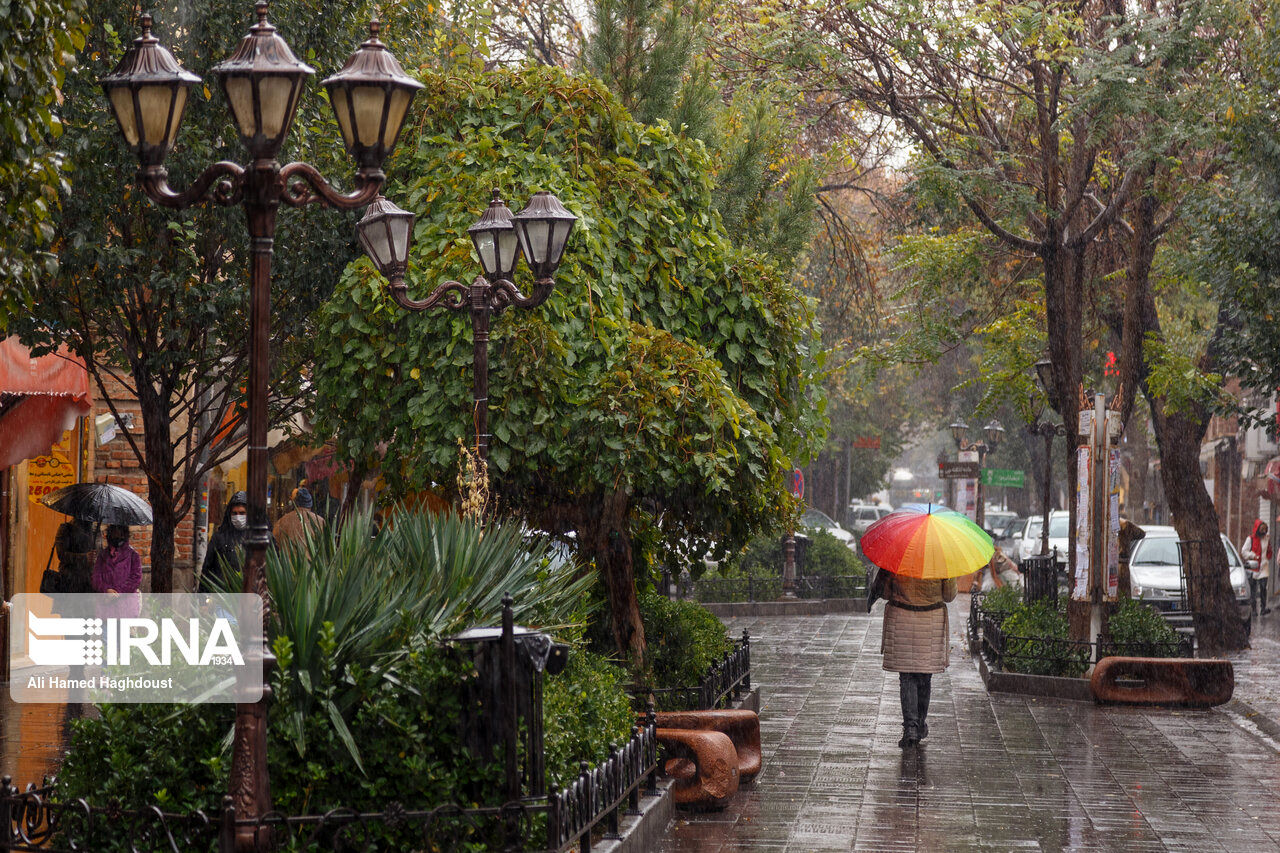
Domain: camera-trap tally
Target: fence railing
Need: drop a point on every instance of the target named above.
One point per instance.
(1052, 656)
(809, 587)
(725, 681)
(35, 820)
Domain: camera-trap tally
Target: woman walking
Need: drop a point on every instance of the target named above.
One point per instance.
(915, 645)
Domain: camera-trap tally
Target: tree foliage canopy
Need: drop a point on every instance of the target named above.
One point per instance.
(668, 365)
(38, 43)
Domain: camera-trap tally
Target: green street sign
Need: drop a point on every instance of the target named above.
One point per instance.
(1003, 477)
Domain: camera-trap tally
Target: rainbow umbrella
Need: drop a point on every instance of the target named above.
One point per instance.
(933, 542)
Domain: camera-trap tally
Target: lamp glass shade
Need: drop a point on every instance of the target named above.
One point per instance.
(262, 80)
(958, 430)
(148, 91)
(494, 236)
(1044, 372)
(370, 97)
(544, 227)
(994, 433)
(385, 231)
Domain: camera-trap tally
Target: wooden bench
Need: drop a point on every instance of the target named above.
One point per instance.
(1188, 682)
(742, 728)
(703, 765)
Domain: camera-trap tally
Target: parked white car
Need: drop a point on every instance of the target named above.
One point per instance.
(862, 516)
(1155, 570)
(819, 520)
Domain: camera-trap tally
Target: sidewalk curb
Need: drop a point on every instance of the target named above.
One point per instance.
(643, 833)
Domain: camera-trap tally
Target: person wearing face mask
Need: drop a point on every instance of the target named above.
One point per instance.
(118, 573)
(226, 548)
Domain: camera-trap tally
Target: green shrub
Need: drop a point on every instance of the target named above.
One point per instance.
(407, 726)
(827, 556)
(1135, 624)
(585, 709)
(1001, 601)
(1037, 643)
(684, 639)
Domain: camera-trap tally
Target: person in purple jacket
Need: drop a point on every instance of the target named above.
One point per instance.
(118, 573)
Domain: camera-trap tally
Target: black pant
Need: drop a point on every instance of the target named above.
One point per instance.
(1262, 594)
(913, 688)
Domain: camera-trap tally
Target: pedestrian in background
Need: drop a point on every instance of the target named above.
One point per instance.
(1256, 553)
(118, 573)
(76, 543)
(294, 527)
(1001, 571)
(915, 645)
(226, 548)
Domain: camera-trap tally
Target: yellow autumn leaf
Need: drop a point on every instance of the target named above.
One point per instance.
(415, 373)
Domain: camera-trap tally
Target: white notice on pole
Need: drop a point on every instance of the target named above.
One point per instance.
(1080, 589)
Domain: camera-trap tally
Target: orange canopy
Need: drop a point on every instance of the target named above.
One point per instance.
(40, 399)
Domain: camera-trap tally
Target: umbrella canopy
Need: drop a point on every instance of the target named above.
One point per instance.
(934, 543)
(99, 502)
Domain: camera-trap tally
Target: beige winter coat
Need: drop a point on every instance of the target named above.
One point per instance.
(916, 641)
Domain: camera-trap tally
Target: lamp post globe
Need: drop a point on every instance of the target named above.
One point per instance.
(494, 236)
(262, 80)
(147, 91)
(370, 97)
(958, 430)
(386, 232)
(543, 228)
(994, 433)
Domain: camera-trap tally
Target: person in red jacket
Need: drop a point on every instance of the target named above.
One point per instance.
(1256, 552)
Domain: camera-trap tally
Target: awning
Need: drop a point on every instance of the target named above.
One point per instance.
(40, 399)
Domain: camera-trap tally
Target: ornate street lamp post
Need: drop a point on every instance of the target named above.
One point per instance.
(539, 232)
(1046, 430)
(993, 432)
(262, 81)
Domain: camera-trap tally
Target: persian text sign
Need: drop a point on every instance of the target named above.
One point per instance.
(46, 474)
(135, 648)
(1005, 477)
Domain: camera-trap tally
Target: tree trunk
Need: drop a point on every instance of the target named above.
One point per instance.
(606, 537)
(1219, 626)
(160, 488)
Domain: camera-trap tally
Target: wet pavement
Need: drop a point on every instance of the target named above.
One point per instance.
(999, 771)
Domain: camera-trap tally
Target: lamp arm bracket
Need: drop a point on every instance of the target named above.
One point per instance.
(503, 293)
(222, 183)
(303, 184)
(452, 295)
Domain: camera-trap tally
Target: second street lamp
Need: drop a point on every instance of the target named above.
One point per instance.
(540, 232)
(993, 432)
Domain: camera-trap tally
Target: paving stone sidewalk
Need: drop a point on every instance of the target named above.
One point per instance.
(999, 772)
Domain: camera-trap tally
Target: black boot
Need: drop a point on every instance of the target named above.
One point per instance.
(908, 691)
(924, 685)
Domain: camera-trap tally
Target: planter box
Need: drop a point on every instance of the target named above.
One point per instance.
(1048, 686)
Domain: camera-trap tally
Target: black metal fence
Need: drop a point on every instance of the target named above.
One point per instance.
(35, 820)
(809, 587)
(509, 679)
(1052, 656)
(724, 682)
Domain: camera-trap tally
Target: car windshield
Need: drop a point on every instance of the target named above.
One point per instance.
(1164, 551)
(1032, 530)
(1157, 552)
(816, 518)
(1058, 526)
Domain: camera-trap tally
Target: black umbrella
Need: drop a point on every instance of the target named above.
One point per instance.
(101, 502)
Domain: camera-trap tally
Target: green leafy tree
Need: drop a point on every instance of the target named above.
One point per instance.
(154, 299)
(38, 40)
(666, 382)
